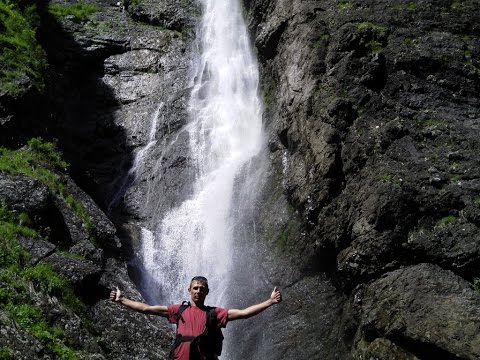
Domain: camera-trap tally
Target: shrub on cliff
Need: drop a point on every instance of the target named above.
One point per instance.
(22, 283)
(40, 161)
(79, 10)
(22, 59)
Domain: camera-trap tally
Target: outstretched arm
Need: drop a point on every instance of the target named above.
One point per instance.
(117, 296)
(235, 314)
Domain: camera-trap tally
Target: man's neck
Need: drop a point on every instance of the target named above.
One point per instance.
(197, 304)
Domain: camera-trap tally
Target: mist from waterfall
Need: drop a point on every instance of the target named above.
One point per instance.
(225, 134)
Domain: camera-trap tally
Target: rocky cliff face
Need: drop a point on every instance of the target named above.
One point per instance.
(373, 113)
(371, 209)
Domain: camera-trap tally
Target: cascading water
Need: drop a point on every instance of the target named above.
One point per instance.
(139, 159)
(225, 133)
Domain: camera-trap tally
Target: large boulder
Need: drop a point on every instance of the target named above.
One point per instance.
(424, 309)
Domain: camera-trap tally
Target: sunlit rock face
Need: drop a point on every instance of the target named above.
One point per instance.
(372, 110)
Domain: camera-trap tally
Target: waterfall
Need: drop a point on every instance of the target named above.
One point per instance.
(139, 160)
(225, 135)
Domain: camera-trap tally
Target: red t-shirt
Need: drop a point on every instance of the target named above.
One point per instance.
(194, 325)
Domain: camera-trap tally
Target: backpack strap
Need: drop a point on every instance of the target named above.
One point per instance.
(211, 319)
(180, 310)
(179, 338)
(211, 329)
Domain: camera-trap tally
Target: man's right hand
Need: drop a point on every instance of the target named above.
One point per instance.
(276, 296)
(116, 295)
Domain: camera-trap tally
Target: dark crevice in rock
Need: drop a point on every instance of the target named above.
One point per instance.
(283, 137)
(82, 108)
(426, 351)
(268, 50)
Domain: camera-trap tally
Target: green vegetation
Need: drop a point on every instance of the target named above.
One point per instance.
(287, 237)
(446, 220)
(374, 46)
(34, 161)
(80, 10)
(476, 284)
(82, 213)
(11, 253)
(394, 180)
(455, 178)
(21, 56)
(5, 353)
(409, 41)
(17, 276)
(322, 40)
(386, 178)
(456, 4)
(476, 201)
(412, 6)
(38, 160)
(429, 121)
(377, 28)
(344, 4)
(270, 93)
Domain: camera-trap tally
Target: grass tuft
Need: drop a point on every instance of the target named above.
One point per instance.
(446, 220)
(17, 276)
(79, 10)
(22, 59)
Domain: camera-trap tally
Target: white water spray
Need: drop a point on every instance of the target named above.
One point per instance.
(139, 159)
(225, 134)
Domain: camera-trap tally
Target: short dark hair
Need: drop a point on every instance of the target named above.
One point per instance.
(201, 279)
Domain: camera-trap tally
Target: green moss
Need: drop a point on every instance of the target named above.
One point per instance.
(33, 161)
(476, 201)
(344, 4)
(105, 26)
(429, 122)
(80, 210)
(20, 54)
(287, 236)
(412, 6)
(63, 351)
(11, 253)
(375, 46)
(322, 40)
(418, 233)
(270, 93)
(377, 28)
(409, 41)
(5, 353)
(47, 280)
(17, 276)
(45, 151)
(446, 220)
(455, 178)
(79, 10)
(476, 284)
(456, 4)
(37, 160)
(386, 178)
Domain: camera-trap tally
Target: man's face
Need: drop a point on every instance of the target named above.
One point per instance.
(198, 291)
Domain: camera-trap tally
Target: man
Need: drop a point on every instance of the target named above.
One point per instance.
(192, 321)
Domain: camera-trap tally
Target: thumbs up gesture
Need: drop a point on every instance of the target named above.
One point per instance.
(116, 295)
(276, 296)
